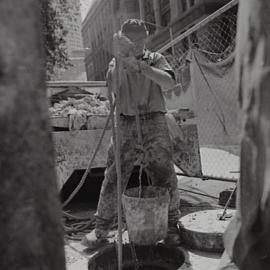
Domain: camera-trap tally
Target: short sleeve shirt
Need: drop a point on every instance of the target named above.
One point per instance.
(138, 90)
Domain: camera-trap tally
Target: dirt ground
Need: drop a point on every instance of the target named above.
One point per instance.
(214, 162)
(77, 258)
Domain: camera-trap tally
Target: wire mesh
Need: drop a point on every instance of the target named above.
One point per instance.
(204, 66)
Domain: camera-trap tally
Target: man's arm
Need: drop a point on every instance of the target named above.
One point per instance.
(123, 50)
(159, 76)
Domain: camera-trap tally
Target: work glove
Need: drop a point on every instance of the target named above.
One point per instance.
(124, 52)
(174, 130)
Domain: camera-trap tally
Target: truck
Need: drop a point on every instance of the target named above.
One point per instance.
(75, 143)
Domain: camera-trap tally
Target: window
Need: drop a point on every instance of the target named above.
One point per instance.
(165, 13)
(149, 16)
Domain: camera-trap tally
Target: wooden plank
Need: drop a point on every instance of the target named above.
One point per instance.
(94, 121)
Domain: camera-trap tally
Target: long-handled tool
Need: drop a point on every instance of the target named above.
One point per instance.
(116, 142)
(223, 216)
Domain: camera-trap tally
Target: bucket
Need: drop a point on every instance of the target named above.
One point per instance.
(146, 216)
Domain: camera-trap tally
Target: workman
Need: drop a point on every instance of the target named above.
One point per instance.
(143, 77)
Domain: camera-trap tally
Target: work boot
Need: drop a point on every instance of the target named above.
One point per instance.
(173, 236)
(94, 240)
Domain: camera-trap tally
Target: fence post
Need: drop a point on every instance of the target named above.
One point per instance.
(31, 232)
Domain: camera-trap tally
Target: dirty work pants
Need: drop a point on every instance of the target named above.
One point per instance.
(160, 169)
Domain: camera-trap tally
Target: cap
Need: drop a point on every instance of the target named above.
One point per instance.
(134, 28)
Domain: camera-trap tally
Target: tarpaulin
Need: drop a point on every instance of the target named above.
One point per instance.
(216, 100)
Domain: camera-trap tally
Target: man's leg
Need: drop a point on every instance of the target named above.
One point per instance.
(107, 205)
(162, 174)
(104, 214)
(161, 169)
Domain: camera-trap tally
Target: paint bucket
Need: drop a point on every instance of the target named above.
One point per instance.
(146, 214)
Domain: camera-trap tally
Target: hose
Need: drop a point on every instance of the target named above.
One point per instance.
(74, 226)
(89, 166)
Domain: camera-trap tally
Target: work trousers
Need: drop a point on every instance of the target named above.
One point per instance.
(159, 167)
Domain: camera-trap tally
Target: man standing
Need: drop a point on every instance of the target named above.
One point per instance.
(143, 76)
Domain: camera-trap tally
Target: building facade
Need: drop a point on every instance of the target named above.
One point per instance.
(73, 24)
(98, 27)
(165, 19)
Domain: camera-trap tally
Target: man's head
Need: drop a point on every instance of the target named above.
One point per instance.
(136, 31)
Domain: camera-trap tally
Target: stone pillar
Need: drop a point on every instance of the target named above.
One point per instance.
(157, 15)
(31, 231)
(176, 8)
(142, 11)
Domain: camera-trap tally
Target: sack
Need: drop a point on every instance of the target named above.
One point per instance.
(186, 151)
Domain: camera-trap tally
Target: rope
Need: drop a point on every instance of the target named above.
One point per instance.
(198, 193)
(70, 216)
(221, 117)
(89, 166)
(222, 217)
(75, 227)
(140, 141)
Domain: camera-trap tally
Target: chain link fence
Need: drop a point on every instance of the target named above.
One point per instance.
(203, 60)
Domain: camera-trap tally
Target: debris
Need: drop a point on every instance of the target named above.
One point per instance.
(88, 105)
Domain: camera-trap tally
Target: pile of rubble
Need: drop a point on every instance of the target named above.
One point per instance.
(88, 105)
(89, 112)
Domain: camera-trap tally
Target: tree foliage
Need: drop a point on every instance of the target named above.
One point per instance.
(54, 34)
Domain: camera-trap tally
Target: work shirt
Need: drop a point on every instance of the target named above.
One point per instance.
(136, 88)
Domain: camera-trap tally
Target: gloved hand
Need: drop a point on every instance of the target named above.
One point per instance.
(124, 51)
(174, 129)
(131, 63)
(122, 46)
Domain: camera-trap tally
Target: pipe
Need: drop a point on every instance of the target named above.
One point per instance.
(208, 177)
(198, 193)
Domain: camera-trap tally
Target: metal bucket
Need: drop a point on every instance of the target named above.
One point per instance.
(146, 214)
